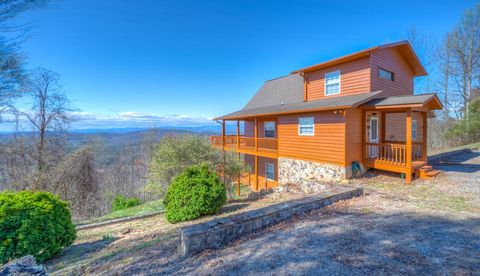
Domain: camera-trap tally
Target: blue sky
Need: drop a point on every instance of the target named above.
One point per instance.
(153, 63)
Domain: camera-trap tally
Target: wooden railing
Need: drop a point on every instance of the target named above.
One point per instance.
(393, 153)
(245, 143)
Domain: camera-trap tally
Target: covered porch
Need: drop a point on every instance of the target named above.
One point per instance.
(395, 136)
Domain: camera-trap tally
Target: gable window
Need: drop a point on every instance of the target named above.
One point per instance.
(306, 126)
(332, 83)
(373, 130)
(270, 171)
(269, 129)
(385, 74)
(414, 129)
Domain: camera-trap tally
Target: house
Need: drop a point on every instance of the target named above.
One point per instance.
(336, 119)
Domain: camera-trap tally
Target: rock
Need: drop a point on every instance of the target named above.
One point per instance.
(22, 267)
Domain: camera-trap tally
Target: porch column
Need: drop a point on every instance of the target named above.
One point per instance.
(425, 137)
(364, 136)
(223, 134)
(256, 135)
(408, 143)
(238, 134)
(256, 172)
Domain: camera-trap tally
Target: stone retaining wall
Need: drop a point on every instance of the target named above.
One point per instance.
(216, 233)
(298, 171)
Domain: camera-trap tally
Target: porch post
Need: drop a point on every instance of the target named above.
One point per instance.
(425, 137)
(408, 143)
(256, 135)
(256, 172)
(238, 134)
(364, 134)
(223, 134)
(383, 131)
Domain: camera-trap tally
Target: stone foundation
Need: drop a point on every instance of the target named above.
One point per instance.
(293, 171)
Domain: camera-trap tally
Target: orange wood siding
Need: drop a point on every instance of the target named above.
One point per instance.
(353, 130)
(390, 59)
(396, 124)
(354, 79)
(326, 146)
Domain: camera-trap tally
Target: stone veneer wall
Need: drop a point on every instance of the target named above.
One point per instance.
(216, 233)
(296, 171)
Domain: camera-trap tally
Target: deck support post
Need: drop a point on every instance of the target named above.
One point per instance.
(238, 135)
(425, 136)
(364, 136)
(256, 172)
(239, 177)
(256, 135)
(223, 134)
(408, 143)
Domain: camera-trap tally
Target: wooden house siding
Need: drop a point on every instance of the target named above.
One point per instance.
(353, 131)
(395, 129)
(354, 79)
(327, 145)
(390, 59)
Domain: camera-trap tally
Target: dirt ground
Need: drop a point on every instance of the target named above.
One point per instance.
(428, 227)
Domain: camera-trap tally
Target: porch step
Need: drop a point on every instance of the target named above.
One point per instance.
(433, 173)
(427, 172)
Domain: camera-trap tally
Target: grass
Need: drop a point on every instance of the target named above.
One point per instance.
(142, 209)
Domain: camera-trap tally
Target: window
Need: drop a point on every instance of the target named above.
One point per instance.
(306, 126)
(384, 74)
(414, 129)
(374, 129)
(269, 129)
(270, 171)
(332, 83)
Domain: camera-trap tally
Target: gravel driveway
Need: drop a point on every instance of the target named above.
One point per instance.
(429, 227)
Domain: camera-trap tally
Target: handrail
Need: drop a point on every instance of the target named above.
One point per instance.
(387, 153)
(245, 143)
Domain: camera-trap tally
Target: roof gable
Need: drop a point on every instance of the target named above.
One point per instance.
(403, 47)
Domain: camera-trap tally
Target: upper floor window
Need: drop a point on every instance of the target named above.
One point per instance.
(384, 74)
(306, 126)
(269, 129)
(332, 83)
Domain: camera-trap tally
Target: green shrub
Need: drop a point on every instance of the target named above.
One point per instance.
(195, 192)
(120, 202)
(33, 223)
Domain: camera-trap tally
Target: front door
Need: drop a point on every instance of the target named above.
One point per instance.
(373, 138)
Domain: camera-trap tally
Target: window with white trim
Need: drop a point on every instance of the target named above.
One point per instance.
(306, 126)
(269, 129)
(414, 129)
(332, 83)
(374, 130)
(270, 171)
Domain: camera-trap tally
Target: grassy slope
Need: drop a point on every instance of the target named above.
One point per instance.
(143, 209)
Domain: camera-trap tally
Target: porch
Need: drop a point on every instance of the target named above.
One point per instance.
(395, 139)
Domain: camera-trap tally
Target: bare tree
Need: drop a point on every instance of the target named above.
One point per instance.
(12, 74)
(48, 116)
(464, 49)
(76, 180)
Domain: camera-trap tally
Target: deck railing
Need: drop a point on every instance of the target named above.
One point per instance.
(392, 153)
(245, 143)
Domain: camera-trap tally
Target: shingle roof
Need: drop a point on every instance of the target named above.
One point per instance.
(286, 90)
(298, 107)
(400, 100)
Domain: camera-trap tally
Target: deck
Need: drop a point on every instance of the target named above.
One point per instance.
(266, 147)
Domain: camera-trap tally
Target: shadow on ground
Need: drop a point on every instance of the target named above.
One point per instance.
(337, 242)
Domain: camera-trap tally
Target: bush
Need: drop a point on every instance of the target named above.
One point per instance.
(120, 203)
(195, 192)
(33, 223)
